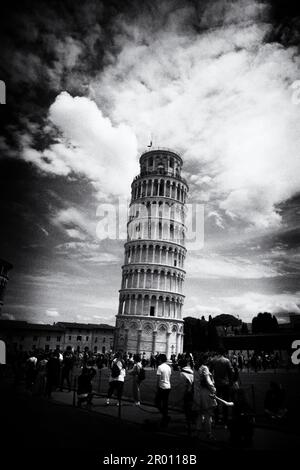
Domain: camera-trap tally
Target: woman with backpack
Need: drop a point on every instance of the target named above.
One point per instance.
(138, 375)
(117, 377)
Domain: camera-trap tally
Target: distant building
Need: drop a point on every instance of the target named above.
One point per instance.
(24, 336)
(97, 337)
(5, 267)
(295, 321)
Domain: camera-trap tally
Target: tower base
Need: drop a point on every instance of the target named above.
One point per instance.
(149, 335)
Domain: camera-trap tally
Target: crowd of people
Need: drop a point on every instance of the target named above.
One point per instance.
(212, 391)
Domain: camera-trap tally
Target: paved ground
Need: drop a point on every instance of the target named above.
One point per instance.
(36, 427)
(39, 423)
(264, 437)
(255, 384)
(33, 423)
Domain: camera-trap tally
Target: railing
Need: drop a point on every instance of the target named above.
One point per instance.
(166, 149)
(159, 174)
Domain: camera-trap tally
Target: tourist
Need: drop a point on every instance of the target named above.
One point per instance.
(223, 374)
(144, 360)
(187, 375)
(117, 377)
(152, 361)
(204, 389)
(41, 375)
(241, 424)
(275, 401)
(84, 390)
(138, 375)
(53, 370)
(67, 366)
(31, 371)
(240, 361)
(130, 361)
(163, 388)
(236, 380)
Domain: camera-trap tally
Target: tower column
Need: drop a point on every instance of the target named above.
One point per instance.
(129, 305)
(126, 339)
(154, 334)
(178, 343)
(138, 346)
(168, 344)
(138, 278)
(142, 306)
(156, 306)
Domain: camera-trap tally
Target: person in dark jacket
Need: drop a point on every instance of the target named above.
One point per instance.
(52, 373)
(85, 387)
(275, 401)
(223, 374)
(67, 366)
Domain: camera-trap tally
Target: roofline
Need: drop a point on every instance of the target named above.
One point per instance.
(160, 150)
(59, 326)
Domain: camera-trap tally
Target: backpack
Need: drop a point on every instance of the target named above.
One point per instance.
(115, 369)
(141, 374)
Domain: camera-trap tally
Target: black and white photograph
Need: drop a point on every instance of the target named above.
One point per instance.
(150, 231)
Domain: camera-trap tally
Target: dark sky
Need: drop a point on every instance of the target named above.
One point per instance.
(88, 84)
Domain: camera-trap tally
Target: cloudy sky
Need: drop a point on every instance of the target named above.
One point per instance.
(88, 85)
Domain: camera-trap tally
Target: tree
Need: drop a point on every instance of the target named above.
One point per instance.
(264, 323)
(244, 329)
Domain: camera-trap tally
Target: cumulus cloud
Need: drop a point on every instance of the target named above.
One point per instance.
(215, 266)
(206, 78)
(75, 223)
(52, 312)
(246, 305)
(90, 146)
(250, 303)
(202, 310)
(90, 252)
(221, 96)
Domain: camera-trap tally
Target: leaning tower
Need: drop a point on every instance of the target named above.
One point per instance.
(151, 298)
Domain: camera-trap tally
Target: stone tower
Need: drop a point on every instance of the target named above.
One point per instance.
(151, 294)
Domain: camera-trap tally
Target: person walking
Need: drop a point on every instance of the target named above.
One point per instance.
(204, 390)
(117, 377)
(163, 388)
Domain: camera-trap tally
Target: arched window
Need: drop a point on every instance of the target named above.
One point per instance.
(171, 231)
(161, 188)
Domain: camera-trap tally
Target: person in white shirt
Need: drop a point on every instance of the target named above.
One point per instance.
(163, 388)
(117, 377)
